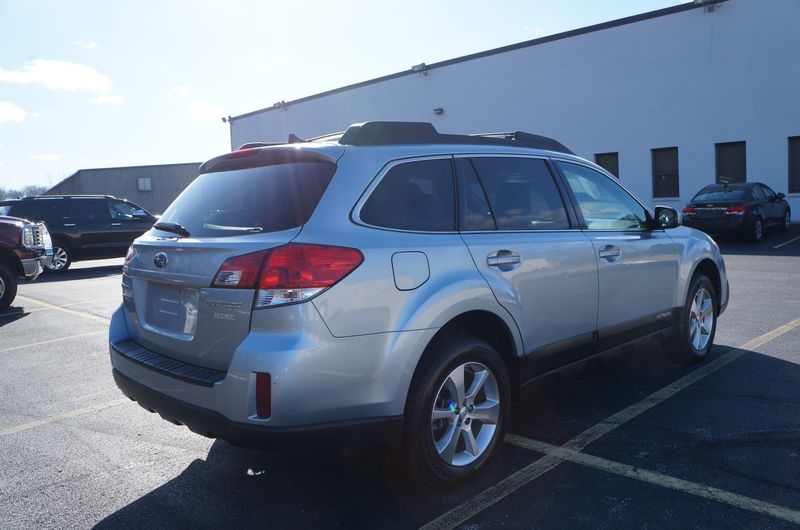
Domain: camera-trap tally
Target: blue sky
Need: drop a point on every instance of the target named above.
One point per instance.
(89, 84)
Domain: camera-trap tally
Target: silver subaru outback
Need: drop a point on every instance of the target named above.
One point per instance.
(399, 283)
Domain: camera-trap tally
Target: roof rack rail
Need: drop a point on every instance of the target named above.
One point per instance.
(401, 132)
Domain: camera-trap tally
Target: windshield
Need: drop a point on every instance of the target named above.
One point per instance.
(262, 199)
(719, 194)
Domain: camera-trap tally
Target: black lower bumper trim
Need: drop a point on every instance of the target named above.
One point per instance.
(214, 425)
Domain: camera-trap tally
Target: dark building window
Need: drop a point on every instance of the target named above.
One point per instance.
(665, 172)
(794, 164)
(609, 162)
(731, 162)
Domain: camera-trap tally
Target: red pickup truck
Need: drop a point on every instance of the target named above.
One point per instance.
(25, 247)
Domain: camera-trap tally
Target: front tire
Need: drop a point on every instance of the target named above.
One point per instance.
(456, 412)
(62, 258)
(698, 321)
(787, 220)
(757, 230)
(8, 287)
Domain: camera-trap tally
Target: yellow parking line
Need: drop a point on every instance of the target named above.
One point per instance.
(90, 316)
(59, 417)
(53, 341)
(499, 491)
(659, 479)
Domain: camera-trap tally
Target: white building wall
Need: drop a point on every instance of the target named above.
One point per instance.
(687, 79)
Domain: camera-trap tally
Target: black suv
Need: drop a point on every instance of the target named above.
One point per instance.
(83, 227)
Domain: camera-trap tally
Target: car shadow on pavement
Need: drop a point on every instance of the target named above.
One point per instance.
(80, 274)
(12, 314)
(735, 429)
(775, 243)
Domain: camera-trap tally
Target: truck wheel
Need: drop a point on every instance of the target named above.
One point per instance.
(8, 287)
(456, 412)
(62, 258)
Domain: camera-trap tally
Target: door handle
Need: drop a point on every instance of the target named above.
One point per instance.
(610, 252)
(502, 258)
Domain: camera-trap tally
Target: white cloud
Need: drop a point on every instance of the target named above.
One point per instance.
(59, 75)
(10, 112)
(183, 91)
(203, 111)
(49, 157)
(85, 45)
(108, 99)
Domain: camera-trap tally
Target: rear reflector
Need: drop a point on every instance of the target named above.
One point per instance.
(263, 395)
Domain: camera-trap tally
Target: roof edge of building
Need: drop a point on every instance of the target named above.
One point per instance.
(494, 51)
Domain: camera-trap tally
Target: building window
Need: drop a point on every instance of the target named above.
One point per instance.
(731, 162)
(794, 164)
(609, 162)
(665, 172)
(145, 184)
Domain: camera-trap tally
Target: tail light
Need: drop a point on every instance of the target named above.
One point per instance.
(737, 209)
(288, 274)
(689, 210)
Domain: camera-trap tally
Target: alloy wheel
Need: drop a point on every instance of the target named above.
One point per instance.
(701, 319)
(465, 414)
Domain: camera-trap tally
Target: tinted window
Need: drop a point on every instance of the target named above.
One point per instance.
(731, 162)
(521, 194)
(605, 205)
(666, 181)
(609, 162)
(474, 211)
(88, 210)
(794, 164)
(414, 196)
(261, 199)
(719, 193)
(123, 211)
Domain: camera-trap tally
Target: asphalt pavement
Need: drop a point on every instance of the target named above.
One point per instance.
(638, 441)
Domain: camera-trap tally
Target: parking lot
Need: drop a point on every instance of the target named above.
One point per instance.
(637, 441)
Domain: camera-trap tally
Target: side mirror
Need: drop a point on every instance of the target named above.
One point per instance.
(666, 217)
(781, 195)
(139, 214)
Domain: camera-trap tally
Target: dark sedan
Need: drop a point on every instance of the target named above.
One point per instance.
(747, 209)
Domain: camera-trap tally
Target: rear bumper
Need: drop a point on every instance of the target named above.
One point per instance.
(212, 424)
(717, 226)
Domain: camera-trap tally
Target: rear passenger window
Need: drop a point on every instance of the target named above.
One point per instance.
(414, 196)
(520, 192)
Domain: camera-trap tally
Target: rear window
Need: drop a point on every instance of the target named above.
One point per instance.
(4, 210)
(720, 193)
(261, 199)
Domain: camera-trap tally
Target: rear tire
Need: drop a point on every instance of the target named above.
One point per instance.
(698, 321)
(62, 258)
(456, 411)
(8, 287)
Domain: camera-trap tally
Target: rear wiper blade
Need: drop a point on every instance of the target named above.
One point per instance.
(175, 228)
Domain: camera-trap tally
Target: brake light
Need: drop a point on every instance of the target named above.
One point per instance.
(287, 274)
(689, 210)
(128, 259)
(737, 209)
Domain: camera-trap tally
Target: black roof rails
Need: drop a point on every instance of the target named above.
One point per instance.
(401, 132)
